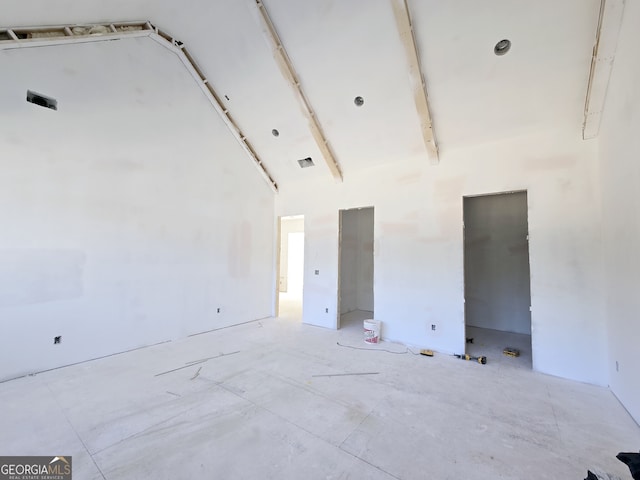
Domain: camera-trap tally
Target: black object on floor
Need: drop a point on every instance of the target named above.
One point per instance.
(632, 460)
(482, 359)
(591, 475)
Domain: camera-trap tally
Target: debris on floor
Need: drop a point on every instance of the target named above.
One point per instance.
(196, 374)
(511, 352)
(481, 359)
(376, 348)
(469, 340)
(196, 362)
(426, 353)
(179, 368)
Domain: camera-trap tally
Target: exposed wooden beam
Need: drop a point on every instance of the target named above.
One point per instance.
(29, 37)
(421, 98)
(289, 73)
(604, 52)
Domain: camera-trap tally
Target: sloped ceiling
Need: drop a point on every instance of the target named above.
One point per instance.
(347, 48)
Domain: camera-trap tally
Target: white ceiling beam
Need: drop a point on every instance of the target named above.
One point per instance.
(604, 52)
(289, 73)
(421, 98)
(29, 37)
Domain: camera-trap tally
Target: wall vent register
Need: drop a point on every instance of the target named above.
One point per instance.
(42, 100)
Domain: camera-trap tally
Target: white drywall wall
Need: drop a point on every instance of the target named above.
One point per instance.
(496, 258)
(620, 171)
(294, 224)
(129, 215)
(419, 244)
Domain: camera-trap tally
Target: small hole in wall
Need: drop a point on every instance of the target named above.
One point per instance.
(275, 132)
(57, 340)
(502, 47)
(226, 97)
(359, 101)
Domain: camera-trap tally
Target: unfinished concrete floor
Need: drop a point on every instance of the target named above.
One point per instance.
(257, 406)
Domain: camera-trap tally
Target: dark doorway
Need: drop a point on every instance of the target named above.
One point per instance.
(496, 276)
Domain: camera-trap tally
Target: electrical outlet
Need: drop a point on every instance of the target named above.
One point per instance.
(617, 366)
(218, 309)
(433, 327)
(326, 310)
(317, 272)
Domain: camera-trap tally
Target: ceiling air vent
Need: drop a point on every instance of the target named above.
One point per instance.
(305, 162)
(41, 100)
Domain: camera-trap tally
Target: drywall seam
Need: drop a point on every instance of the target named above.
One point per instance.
(29, 37)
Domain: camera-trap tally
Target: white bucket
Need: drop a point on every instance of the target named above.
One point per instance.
(372, 331)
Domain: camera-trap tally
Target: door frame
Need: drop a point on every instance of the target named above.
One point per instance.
(464, 273)
(339, 282)
(279, 259)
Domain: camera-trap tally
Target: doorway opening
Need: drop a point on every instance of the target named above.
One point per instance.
(355, 284)
(497, 278)
(290, 268)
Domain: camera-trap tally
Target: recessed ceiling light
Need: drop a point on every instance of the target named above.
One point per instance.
(502, 47)
(275, 132)
(359, 101)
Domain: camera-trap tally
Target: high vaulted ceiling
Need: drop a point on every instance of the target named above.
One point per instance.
(341, 49)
